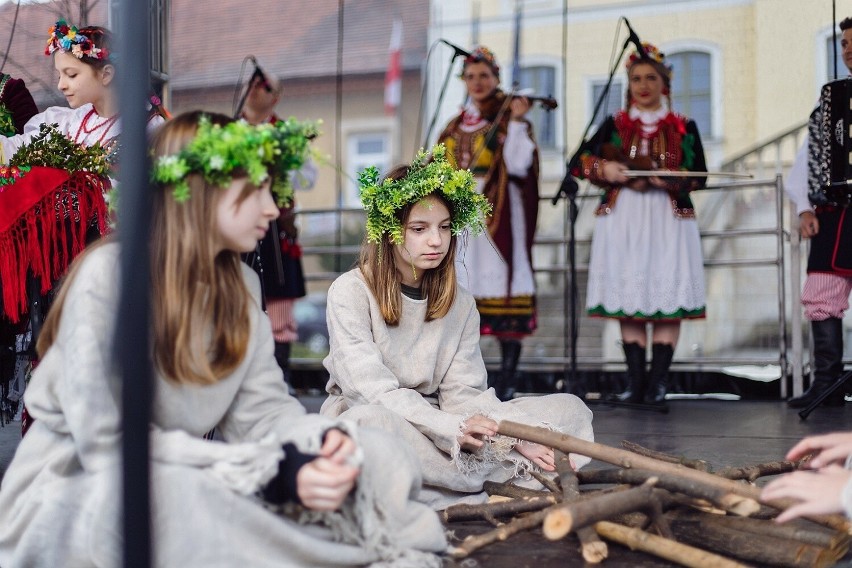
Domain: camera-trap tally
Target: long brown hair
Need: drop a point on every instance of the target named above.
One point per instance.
(378, 266)
(200, 308)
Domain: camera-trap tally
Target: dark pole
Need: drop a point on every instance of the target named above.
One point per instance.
(131, 339)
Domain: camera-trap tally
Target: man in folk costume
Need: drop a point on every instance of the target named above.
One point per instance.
(278, 256)
(493, 138)
(823, 219)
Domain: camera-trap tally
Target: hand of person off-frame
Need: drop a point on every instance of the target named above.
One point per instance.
(325, 482)
(808, 224)
(825, 449)
(474, 430)
(819, 492)
(542, 456)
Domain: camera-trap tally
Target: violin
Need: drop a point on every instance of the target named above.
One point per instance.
(613, 153)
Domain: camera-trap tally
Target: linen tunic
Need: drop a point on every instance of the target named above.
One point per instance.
(421, 380)
(60, 500)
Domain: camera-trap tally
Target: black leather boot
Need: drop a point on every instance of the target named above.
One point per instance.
(634, 356)
(828, 364)
(507, 380)
(658, 383)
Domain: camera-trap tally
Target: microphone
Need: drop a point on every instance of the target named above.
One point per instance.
(457, 49)
(634, 39)
(258, 73)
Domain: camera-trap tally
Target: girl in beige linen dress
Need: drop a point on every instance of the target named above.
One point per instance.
(282, 488)
(404, 336)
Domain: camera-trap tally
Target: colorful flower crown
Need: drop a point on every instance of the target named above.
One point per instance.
(68, 39)
(218, 153)
(482, 55)
(653, 53)
(382, 200)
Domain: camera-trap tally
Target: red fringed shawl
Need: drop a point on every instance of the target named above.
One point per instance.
(44, 217)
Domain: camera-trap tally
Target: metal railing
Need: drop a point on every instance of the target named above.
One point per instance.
(557, 273)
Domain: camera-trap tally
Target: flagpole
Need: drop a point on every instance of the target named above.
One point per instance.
(393, 89)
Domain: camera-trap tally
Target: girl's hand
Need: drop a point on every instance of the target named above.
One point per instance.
(819, 492)
(323, 484)
(519, 107)
(613, 172)
(337, 446)
(474, 430)
(826, 449)
(542, 456)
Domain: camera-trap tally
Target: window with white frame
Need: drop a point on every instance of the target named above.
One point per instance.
(365, 149)
(613, 102)
(542, 80)
(692, 88)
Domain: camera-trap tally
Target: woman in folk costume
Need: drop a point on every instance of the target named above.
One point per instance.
(646, 265)
(283, 488)
(84, 60)
(492, 138)
(404, 337)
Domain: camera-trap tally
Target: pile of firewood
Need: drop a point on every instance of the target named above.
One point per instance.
(673, 508)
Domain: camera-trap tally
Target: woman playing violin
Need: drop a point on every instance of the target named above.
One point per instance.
(646, 267)
(492, 138)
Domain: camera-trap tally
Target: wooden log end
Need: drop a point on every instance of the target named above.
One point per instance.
(741, 506)
(557, 524)
(457, 552)
(595, 552)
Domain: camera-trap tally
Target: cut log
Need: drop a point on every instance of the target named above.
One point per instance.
(474, 542)
(721, 498)
(661, 547)
(513, 491)
(700, 465)
(593, 549)
(753, 472)
(501, 509)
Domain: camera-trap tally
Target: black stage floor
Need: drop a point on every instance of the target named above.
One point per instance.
(724, 433)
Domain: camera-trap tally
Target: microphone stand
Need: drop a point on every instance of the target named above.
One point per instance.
(257, 74)
(568, 189)
(456, 53)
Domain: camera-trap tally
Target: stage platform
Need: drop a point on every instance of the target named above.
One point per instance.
(724, 433)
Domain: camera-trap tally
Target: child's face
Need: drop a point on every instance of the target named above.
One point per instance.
(80, 83)
(427, 240)
(241, 224)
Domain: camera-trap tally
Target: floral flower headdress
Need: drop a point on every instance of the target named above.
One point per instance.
(218, 153)
(69, 40)
(482, 55)
(653, 53)
(382, 200)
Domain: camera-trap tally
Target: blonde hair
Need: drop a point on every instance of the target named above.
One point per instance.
(379, 268)
(200, 308)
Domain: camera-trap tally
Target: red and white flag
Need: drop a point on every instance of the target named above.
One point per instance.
(393, 76)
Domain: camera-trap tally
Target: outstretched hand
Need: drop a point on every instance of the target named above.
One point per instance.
(826, 449)
(324, 483)
(542, 456)
(819, 492)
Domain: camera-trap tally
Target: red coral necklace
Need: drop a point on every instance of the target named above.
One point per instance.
(105, 124)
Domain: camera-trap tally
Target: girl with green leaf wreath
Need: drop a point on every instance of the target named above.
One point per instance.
(404, 336)
(282, 487)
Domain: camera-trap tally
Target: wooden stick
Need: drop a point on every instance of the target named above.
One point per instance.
(570, 516)
(546, 481)
(671, 550)
(465, 512)
(753, 472)
(623, 458)
(700, 465)
(472, 543)
(723, 499)
(593, 549)
(753, 547)
(682, 173)
(511, 490)
(789, 531)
